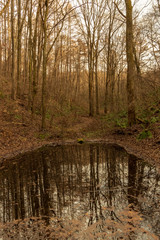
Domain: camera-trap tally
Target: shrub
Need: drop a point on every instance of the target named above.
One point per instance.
(144, 134)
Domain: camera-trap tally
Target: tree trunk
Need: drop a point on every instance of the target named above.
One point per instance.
(130, 64)
(0, 52)
(97, 84)
(13, 95)
(19, 48)
(30, 54)
(5, 42)
(91, 79)
(112, 12)
(34, 49)
(108, 70)
(44, 24)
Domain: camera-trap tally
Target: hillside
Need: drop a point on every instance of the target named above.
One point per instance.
(20, 132)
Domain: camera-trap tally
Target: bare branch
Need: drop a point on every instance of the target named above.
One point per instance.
(4, 8)
(119, 10)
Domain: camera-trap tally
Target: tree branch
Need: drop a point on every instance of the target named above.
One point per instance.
(4, 8)
(119, 10)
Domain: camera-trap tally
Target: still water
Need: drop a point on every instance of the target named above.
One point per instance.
(97, 189)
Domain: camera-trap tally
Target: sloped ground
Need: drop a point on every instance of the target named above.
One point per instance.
(148, 149)
(19, 132)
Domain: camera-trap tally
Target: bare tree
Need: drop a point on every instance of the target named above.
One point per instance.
(20, 23)
(93, 13)
(130, 64)
(49, 41)
(44, 17)
(13, 94)
(112, 14)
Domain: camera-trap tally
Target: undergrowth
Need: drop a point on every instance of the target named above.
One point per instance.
(144, 134)
(127, 224)
(115, 119)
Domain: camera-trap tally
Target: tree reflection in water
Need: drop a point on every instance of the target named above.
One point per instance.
(100, 184)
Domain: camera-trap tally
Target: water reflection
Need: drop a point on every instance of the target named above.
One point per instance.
(94, 181)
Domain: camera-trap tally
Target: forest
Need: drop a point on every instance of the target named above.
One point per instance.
(79, 110)
(67, 65)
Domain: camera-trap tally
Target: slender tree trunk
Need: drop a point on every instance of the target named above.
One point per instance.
(130, 64)
(108, 73)
(112, 13)
(1, 51)
(5, 40)
(44, 24)
(25, 64)
(97, 85)
(78, 69)
(91, 79)
(34, 49)
(19, 48)
(13, 94)
(30, 54)
(0, 55)
(9, 41)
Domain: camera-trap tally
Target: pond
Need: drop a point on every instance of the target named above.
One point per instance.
(87, 191)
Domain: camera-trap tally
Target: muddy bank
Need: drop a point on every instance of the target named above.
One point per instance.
(146, 151)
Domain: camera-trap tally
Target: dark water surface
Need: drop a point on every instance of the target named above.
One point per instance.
(91, 182)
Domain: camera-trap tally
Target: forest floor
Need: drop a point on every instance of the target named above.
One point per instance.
(20, 132)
